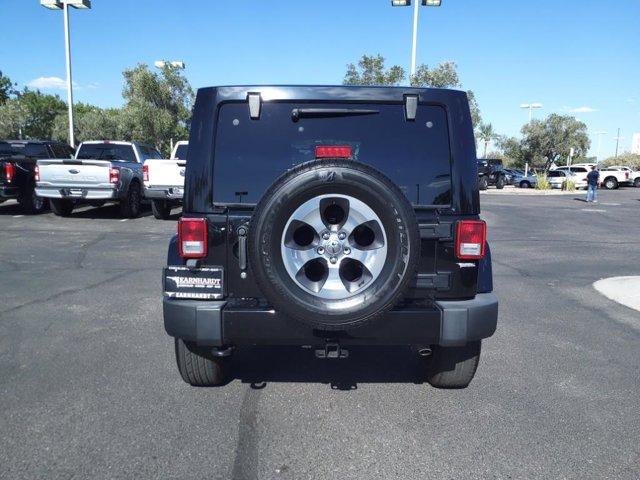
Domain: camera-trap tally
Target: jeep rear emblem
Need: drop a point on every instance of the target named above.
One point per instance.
(74, 171)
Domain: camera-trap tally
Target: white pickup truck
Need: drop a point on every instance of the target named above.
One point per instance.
(633, 180)
(102, 171)
(613, 177)
(164, 181)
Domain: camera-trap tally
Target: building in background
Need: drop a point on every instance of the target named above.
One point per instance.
(635, 144)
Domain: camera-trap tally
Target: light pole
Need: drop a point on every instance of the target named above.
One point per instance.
(530, 106)
(416, 6)
(617, 139)
(599, 135)
(64, 6)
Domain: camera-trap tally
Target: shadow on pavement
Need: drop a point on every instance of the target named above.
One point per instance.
(260, 365)
(11, 208)
(106, 212)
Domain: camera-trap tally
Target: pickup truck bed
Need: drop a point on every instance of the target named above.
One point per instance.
(76, 179)
(164, 181)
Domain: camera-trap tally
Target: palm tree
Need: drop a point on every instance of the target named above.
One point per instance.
(486, 134)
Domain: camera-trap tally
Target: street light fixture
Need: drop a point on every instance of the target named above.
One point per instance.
(530, 106)
(173, 64)
(64, 6)
(407, 3)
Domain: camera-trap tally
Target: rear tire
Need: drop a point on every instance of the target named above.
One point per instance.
(31, 204)
(197, 366)
(636, 182)
(131, 205)
(161, 209)
(610, 183)
(483, 183)
(62, 207)
(525, 184)
(453, 367)
(500, 182)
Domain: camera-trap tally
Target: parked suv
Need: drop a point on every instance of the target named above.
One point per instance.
(17, 165)
(102, 171)
(327, 217)
(491, 172)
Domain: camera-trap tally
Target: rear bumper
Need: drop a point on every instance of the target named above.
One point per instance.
(9, 192)
(87, 193)
(447, 323)
(163, 193)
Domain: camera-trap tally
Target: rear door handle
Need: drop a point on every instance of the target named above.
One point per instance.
(242, 248)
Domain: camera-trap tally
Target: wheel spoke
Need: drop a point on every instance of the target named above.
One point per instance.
(297, 257)
(333, 286)
(371, 259)
(310, 214)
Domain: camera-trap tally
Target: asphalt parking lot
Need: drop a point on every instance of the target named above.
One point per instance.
(89, 386)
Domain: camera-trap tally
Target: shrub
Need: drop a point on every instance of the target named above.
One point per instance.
(569, 186)
(541, 182)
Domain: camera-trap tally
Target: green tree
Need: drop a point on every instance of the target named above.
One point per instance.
(487, 135)
(13, 119)
(445, 75)
(551, 139)
(91, 123)
(372, 71)
(512, 151)
(547, 141)
(30, 114)
(626, 158)
(7, 88)
(158, 105)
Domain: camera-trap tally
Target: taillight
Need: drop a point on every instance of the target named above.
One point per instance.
(192, 237)
(9, 172)
(36, 173)
(333, 151)
(626, 175)
(145, 173)
(471, 236)
(114, 175)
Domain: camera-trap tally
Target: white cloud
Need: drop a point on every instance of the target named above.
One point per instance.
(50, 83)
(583, 110)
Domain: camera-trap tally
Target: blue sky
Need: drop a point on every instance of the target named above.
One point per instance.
(566, 54)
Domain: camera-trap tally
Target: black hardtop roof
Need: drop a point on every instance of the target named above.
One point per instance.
(332, 92)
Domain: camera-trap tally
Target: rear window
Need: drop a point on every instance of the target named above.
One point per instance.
(250, 154)
(556, 173)
(181, 151)
(106, 151)
(37, 150)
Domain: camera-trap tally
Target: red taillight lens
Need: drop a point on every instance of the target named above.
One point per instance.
(9, 172)
(114, 175)
(36, 173)
(471, 236)
(145, 173)
(192, 237)
(626, 175)
(333, 151)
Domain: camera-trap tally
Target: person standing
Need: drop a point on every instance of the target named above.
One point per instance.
(592, 185)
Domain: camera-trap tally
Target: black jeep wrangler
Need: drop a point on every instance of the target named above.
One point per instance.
(327, 217)
(491, 172)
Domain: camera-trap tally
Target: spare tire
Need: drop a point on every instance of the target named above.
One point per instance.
(333, 243)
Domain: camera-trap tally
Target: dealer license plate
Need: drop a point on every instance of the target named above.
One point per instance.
(203, 283)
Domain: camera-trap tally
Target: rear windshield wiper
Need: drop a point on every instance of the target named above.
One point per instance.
(298, 113)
